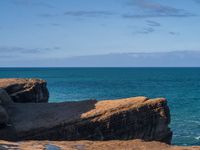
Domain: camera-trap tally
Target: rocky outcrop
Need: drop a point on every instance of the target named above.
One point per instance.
(123, 119)
(25, 90)
(132, 118)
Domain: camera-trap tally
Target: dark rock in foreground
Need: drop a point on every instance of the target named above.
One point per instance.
(123, 119)
(25, 90)
(3, 117)
(5, 98)
(132, 118)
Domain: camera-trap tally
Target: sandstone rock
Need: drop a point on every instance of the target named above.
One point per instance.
(132, 118)
(92, 145)
(25, 90)
(5, 98)
(3, 117)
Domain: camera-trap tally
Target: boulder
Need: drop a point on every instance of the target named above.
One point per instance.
(123, 119)
(5, 98)
(3, 117)
(25, 90)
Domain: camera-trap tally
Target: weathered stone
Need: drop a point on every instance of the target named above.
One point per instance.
(92, 145)
(132, 118)
(25, 90)
(5, 98)
(3, 117)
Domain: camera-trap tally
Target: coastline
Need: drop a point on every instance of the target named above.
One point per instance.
(122, 120)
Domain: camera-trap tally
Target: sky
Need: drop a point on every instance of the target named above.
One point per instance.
(32, 30)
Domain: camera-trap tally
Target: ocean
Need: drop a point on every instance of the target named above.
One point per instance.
(181, 86)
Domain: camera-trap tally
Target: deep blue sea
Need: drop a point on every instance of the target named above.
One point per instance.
(181, 86)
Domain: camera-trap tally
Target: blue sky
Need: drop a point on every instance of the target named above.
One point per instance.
(42, 29)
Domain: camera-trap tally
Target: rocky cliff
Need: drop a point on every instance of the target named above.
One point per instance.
(132, 118)
(26, 90)
(121, 119)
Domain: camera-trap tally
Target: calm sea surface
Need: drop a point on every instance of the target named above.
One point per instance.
(181, 86)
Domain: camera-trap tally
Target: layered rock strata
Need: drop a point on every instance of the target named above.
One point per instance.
(26, 90)
(121, 119)
(133, 118)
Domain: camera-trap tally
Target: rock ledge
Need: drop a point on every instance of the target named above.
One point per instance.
(121, 119)
(132, 118)
(25, 90)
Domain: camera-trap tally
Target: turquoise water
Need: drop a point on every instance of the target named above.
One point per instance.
(181, 86)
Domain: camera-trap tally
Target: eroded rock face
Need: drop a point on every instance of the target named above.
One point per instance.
(132, 118)
(25, 90)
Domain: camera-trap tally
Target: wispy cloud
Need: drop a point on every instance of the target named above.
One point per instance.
(144, 4)
(173, 33)
(153, 23)
(142, 16)
(147, 30)
(4, 50)
(49, 24)
(154, 9)
(87, 13)
(79, 13)
(47, 15)
(38, 3)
